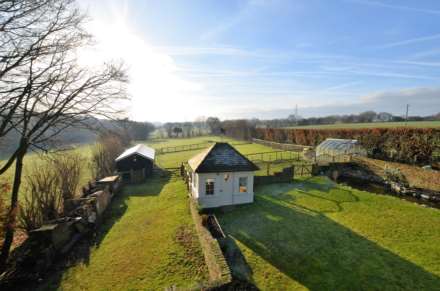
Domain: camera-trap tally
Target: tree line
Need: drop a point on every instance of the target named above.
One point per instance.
(363, 117)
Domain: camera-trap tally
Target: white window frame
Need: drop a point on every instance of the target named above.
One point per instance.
(209, 181)
(246, 179)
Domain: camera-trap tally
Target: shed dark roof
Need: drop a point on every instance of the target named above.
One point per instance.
(221, 157)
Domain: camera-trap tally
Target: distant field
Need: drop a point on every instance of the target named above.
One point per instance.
(413, 124)
(31, 161)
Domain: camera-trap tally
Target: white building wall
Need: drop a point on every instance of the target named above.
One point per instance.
(226, 192)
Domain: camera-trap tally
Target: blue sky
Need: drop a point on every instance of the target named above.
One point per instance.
(257, 58)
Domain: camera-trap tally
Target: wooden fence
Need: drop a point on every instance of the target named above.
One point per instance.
(282, 146)
(285, 176)
(326, 159)
(183, 148)
(303, 170)
(192, 147)
(274, 156)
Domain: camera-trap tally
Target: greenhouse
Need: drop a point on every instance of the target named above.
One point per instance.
(339, 150)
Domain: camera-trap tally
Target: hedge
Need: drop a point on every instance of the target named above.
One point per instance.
(408, 145)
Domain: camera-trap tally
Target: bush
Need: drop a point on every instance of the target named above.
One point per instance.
(43, 199)
(395, 175)
(47, 190)
(107, 149)
(68, 169)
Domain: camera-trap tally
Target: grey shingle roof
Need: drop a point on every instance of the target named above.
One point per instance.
(221, 157)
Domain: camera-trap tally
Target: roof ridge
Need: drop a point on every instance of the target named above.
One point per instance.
(198, 162)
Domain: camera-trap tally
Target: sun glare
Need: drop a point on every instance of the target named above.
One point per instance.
(154, 80)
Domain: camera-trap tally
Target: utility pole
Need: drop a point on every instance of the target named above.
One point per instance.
(406, 115)
(296, 114)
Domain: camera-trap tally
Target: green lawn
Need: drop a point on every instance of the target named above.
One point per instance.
(317, 235)
(311, 234)
(147, 242)
(419, 124)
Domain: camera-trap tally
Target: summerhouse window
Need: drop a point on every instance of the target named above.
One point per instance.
(242, 184)
(209, 187)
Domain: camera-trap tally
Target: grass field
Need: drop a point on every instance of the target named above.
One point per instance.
(312, 234)
(413, 124)
(317, 235)
(148, 242)
(139, 245)
(31, 162)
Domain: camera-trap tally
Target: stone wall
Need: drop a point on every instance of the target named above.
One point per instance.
(219, 272)
(56, 238)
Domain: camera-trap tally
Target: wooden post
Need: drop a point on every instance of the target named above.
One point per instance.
(268, 168)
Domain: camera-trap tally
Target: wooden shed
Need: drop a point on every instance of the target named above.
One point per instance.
(135, 164)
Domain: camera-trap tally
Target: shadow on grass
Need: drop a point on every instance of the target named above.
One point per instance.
(316, 251)
(80, 254)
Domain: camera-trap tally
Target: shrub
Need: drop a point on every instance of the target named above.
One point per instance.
(44, 198)
(68, 169)
(395, 175)
(107, 149)
(47, 190)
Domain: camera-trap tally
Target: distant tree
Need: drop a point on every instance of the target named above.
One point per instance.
(384, 116)
(367, 116)
(177, 131)
(239, 129)
(168, 129)
(214, 124)
(136, 130)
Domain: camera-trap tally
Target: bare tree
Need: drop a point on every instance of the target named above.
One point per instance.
(44, 195)
(43, 90)
(67, 167)
(46, 191)
(108, 148)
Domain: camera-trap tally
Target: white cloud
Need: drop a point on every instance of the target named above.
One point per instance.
(410, 41)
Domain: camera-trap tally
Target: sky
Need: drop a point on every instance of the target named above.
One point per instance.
(188, 59)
